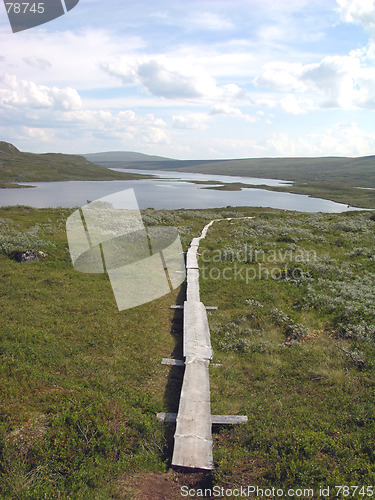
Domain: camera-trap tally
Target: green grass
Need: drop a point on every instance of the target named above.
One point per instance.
(10, 185)
(81, 382)
(339, 193)
(309, 403)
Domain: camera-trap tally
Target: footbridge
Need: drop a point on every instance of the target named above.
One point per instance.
(193, 435)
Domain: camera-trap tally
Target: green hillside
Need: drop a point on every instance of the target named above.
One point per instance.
(17, 166)
(331, 178)
(349, 171)
(122, 156)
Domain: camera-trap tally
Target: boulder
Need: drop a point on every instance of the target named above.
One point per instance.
(28, 255)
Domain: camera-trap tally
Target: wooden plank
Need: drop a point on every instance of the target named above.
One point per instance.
(196, 337)
(166, 417)
(192, 289)
(208, 308)
(215, 419)
(193, 436)
(228, 419)
(191, 260)
(172, 362)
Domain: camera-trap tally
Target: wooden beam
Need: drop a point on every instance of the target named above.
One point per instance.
(172, 362)
(228, 419)
(167, 417)
(208, 308)
(215, 419)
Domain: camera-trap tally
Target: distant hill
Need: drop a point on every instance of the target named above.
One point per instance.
(16, 166)
(348, 171)
(121, 156)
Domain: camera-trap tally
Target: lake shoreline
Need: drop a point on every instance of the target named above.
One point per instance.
(175, 190)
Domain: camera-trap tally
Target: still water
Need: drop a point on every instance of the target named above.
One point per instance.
(169, 190)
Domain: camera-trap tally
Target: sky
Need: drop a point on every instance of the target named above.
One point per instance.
(192, 79)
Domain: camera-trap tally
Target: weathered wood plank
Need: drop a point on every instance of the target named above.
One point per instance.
(215, 419)
(192, 288)
(196, 338)
(193, 436)
(208, 308)
(172, 362)
(228, 419)
(191, 260)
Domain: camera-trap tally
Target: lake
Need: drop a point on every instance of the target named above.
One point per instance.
(170, 190)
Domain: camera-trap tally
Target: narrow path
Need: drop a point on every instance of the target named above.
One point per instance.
(193, 436)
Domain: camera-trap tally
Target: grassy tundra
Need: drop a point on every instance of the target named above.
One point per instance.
(295, 333)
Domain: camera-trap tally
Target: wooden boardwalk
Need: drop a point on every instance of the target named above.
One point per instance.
(193, 436)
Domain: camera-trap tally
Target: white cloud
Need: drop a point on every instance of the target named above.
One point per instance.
(26, 94)
(37, 62)
(126, 126)
(341, 139)
(192, 121)
(281, 76)
(334, 82)
(225, 109)
(160, 77)
(210, 21)
(43, 113)
(74, 56)
(271, 32)
(358, 11)
(265, 102)
(170, 78)
(164, 82)
(335, 78)
(347, 139)
(296, 105)
(38, 134)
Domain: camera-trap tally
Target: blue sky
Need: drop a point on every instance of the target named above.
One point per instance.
(193, 79)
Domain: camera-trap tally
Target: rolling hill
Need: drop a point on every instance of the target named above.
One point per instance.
(346, 171)
(17, 166)
(122, 156)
